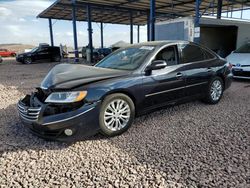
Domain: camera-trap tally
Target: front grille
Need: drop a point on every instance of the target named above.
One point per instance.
(241, 73)
(29, 113)
(49, 133)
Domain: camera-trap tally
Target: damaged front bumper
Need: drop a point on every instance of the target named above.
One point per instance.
(71, 125)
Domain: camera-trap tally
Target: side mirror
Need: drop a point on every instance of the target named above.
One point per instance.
(156, 65)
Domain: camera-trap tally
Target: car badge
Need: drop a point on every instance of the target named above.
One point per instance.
(25, 110)
(238, 65)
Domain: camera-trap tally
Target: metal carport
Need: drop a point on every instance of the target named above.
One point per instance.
(134, 12)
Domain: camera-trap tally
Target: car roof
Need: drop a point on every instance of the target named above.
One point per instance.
(158, 43)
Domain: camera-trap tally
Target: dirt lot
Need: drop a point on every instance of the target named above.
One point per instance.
(190, 145)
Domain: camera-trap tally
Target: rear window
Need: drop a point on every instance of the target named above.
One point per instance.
(243, 49)
(193, 53)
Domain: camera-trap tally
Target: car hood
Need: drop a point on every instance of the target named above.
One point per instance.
(67, 76)
(239, 58)
(25, 53)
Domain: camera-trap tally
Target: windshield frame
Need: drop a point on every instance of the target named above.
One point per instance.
(34, 49)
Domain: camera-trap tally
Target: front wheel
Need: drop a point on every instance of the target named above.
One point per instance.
(116, 115)
(27, 60)
(215, 91)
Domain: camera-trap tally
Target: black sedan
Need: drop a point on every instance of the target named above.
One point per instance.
(75, 101)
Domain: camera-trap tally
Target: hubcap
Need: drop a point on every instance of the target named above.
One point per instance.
(28, 60)
(216, 90)
(116, 115)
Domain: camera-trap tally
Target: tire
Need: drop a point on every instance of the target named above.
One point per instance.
(27, 60)
(56, 59)
(113, 122)
(214, 91)
(13, 55)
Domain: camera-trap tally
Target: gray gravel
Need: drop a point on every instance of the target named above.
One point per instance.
(190, 145)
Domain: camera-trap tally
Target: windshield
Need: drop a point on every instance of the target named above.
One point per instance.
(243, 49)
(126, 59)
(34, 49)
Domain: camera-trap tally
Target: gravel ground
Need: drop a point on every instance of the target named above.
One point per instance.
(190, 145)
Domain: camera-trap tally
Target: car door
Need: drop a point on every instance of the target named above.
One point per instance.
(166, 85)
(197, 66)
(43, 54)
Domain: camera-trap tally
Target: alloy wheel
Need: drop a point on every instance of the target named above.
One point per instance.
(117, 115)
(216, 90)
(27, 60)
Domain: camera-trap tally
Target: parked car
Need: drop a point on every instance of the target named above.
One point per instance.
(240, 59)
(76, 101)
(104, 51)
(41, 53)
(1, 59)
(97, 56)
(7, 53)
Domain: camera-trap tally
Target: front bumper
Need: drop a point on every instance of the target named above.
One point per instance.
(241, 72)
(83, 122)
(19, 59)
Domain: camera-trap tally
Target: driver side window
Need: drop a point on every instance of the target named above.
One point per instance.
(169, 55)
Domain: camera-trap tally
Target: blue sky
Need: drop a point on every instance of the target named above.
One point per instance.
(18, 24)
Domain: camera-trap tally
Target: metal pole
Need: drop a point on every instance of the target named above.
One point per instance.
(197, 21)
(152, 20)
(131, 28)
(74, 30)
(90, 31)
(219, 8)
(138, 33)
(148, 27)
(51, 32)
(101, 35)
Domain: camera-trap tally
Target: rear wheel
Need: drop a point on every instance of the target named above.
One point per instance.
(13, 55)
(27, 60)
(56, 58)
(215, 91)
(116, 115)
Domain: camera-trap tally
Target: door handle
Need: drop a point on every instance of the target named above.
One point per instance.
(179, 75)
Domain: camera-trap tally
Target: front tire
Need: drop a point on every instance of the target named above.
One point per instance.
(27, 60)
(116, 115)
(214, 91)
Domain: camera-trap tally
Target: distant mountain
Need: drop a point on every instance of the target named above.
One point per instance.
(19, 48)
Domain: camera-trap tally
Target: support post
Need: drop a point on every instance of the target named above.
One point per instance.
(197, 21)
(219, 9)
(75, 31)
(152, 20)
(138, 33)
(131, 28)
(101, 34)
(90, 31)
(148, 27)
(51, 32)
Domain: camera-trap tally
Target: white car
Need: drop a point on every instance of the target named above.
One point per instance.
(240, 60)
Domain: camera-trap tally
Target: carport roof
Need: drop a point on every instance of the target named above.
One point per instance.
(118, 11)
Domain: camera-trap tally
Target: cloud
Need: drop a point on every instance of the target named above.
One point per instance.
(22, 20)
(4, 12)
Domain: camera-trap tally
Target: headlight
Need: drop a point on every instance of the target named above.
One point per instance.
(66, 97)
